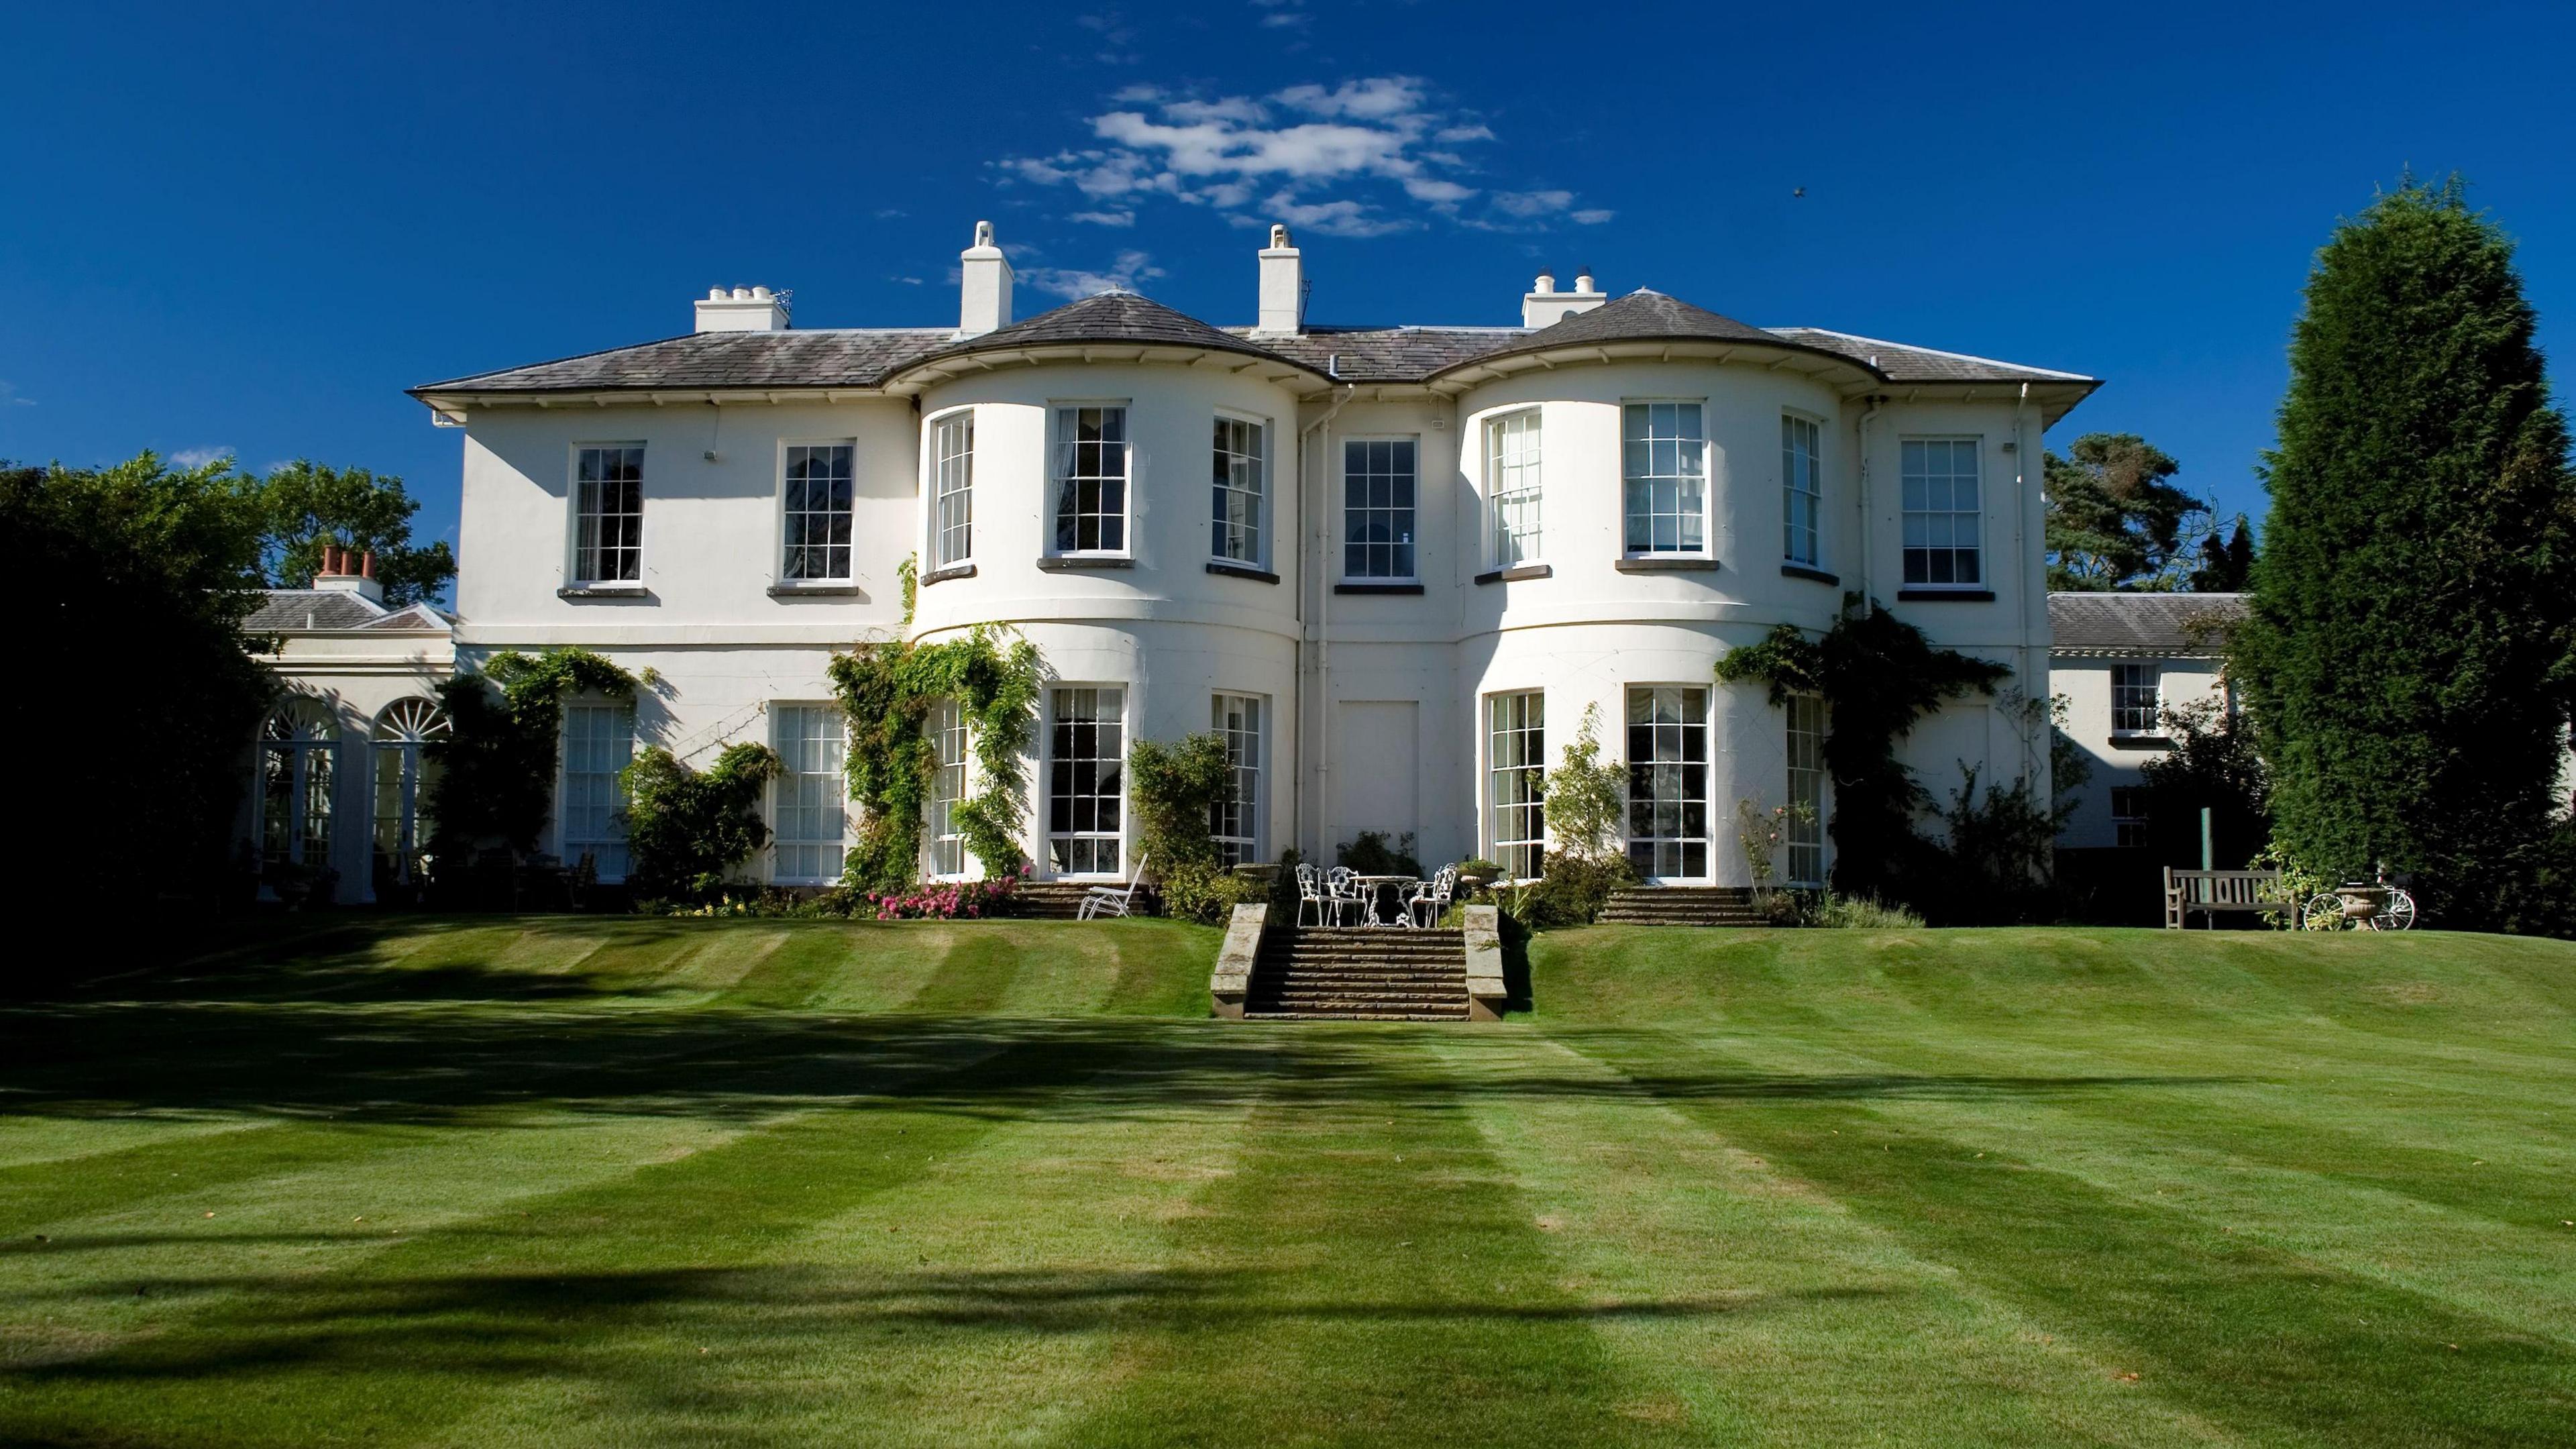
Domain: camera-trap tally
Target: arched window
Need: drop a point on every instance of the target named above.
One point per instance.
(297, 749)
(403, 770)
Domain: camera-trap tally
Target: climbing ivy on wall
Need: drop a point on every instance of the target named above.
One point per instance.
(690, 828)
(887, 691)
(1879, 677)
(497, 773)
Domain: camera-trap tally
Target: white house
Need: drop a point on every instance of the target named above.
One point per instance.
(2121, 660)
(1396, 565)
(337, 771)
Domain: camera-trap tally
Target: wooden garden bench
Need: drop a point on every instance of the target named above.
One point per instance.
(2213, 892)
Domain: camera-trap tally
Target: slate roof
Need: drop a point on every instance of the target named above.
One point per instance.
(867, 357)
(288, 611)
(2168, 625)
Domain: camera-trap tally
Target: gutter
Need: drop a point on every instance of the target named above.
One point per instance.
(1323, 597)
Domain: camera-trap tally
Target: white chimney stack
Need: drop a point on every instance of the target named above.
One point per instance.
(1283, 288)
(744, 309)
(1545, 306)
(984, 301)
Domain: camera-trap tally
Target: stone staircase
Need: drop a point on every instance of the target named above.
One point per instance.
(1682, 906)
(1352, 973)
(1050, 900)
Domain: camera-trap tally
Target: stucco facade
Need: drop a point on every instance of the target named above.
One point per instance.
(2120, 661)
(1419, 520)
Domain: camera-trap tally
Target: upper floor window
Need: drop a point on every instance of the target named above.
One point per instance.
(1802, 492)
(1943, 510)
(1377, 508)
(1511, 481)
(1091, 479)
(608, 514)
(1664, 460)
(2136, 699)
(1234, 531)
(817, 501)
(952, 467)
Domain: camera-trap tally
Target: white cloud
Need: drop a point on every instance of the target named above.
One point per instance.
(1592, 216)
(200, 457)
(907, 281)
(9, 395)
(1076, 283)
(884, 212)
(1359, 157)
(1282, 19)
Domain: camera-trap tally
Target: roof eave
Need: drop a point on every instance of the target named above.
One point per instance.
(1847, 374)
(919, 376)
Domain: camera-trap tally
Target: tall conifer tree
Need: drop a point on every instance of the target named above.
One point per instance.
(2407, 655)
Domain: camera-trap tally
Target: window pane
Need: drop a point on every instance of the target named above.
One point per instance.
(1516, 779)
(1091, 480)
(1087, 767)
(1664, 460)
(1378, 509)
(1941, 500)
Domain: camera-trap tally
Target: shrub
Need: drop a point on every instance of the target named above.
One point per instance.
(1370, 854)
(1572, 890)
(1861, 913)
(1197, 891)
(690, 828)
(1178, 788)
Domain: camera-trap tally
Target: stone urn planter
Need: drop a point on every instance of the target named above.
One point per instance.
(2361, 903)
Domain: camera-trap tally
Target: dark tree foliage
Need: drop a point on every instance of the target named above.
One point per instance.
(2225, 564)
(2213, 765)
(106, 570)
(305, 505)
(1879, 677)
(2406, 658)
(2114, 522)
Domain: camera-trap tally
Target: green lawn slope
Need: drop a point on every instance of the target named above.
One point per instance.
(630, 1182)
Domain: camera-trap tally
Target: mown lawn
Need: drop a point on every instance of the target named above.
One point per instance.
(625, 1182)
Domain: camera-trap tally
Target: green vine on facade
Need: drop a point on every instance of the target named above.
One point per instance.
(496, 781)
(1879, 676)
(887, 691)
(690, 828)
(909, 573)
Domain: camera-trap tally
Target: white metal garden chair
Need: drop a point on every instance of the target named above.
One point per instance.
(1342, 892)
(1310, 895)
(1431, 898)
(1110, 900)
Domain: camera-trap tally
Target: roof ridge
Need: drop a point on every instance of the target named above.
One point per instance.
(1939, 352)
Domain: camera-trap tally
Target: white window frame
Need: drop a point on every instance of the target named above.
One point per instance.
(2131, 719)
(1118, 837)
(309, 744)
(1242, 845)
(1515, 491)
(949, 726)
(1791, 494)
(1502, 788)
(1707, 547)
(1707, 838)
(1059, 464)
(2128, 827)
(849, 572)
(1342, 538)
(1807, 786)
(1908, 512)
(1258, 557)
(936, 492)
(575, 572)
(792, 778)
(398, 738)
(609, 846)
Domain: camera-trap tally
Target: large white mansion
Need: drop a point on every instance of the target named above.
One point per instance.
(1395, 565)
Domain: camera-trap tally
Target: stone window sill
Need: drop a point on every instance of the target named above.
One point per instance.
(2141, 742)
(1945, 596)
(822, 588)
(1665, 564)
(1070, 562)
(1801, 571)
(941, 576)
(1230, 569)
(605, 591)
(1370, 588)
(1516, 574)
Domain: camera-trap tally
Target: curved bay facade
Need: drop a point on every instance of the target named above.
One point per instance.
(1396, 566)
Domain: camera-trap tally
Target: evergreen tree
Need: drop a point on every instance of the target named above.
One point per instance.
(2114, 522)
(2225, 564)
(2407, 655)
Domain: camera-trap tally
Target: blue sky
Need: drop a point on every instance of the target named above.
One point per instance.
(250, 231)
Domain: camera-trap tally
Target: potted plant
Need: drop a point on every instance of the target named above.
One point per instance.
(1478, 874)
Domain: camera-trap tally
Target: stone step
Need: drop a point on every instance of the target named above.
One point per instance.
(1459, 1015)
(1450, 978)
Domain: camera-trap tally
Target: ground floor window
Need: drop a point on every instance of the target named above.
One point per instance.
(1086, 780)
(1516, 779)
(403, 771)
(1668, 782)
(598, 741)
(813, 824)
(298, 749)
(1236, 826)
(2129, 814)
(947, 727)
(1806, 790)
